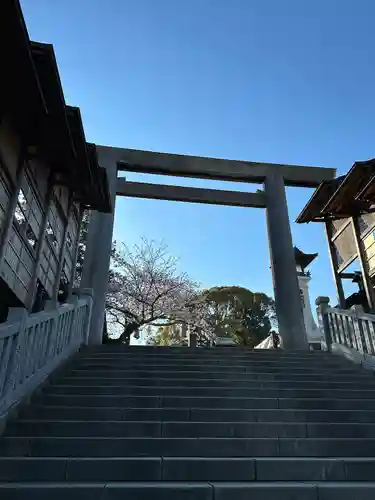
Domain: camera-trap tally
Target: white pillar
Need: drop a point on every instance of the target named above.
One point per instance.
(312, 331)
(284, 273)
(98, 250)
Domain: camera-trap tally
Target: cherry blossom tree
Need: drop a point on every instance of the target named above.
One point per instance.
(146, 288)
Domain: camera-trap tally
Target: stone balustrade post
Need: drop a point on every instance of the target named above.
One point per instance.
(87, 293)
(322, 304)
(357, 332)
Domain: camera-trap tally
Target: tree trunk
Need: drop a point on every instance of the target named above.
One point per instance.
(127, 332)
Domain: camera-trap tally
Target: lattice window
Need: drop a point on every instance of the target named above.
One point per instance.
(336, 225)
(49, 261)
(345, 247)
(47, 272)
(369, 246)
(371, 266)
(71, 242)
(19, 259)
(55, 227)
(18, 264)
(366, 223)
(370, 251)
(62, 195)
(28, 214)
(4, 201)
(39, 175)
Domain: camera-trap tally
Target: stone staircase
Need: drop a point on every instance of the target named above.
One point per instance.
(202, 424)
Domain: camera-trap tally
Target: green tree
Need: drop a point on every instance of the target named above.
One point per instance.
(168, 335)
(237, 312)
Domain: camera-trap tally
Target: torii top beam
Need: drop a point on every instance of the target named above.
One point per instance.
(151, 162)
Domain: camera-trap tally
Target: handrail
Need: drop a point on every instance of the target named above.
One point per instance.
(32, 346)
(352, 328)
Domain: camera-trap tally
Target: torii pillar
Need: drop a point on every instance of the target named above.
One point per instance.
(284, 274)
(98, 249)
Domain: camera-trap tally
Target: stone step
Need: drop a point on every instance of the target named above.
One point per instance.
(207, 364)
(205, 370)
(267, 469)
(186, 447)
(227, 378)
(203, 402)
(84, 413)
(192, 358)
(104, 392)
(332, 361)
(189, 491)
(79, 413)
(154, 428)
(54, 469)
(326, 403)
(278, 415)
(117, 385)
(60, 469)
(103, 491)
(269, 353)
(134, 491)
(88, 351)
(119, 350)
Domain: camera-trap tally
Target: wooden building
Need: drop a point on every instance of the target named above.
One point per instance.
(346, 206)
(49, 174)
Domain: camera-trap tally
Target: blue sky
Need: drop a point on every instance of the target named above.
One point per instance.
(263, 80)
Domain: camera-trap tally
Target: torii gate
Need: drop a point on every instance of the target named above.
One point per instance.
(274, 177)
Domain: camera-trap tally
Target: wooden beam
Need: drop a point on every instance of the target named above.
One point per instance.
(348, 276)
(364, 264)
(334, 265)
(189, 194)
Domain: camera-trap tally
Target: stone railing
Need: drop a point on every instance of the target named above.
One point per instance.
(32, 346)
(349, 332)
